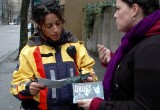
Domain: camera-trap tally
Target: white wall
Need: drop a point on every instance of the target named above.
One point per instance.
(105, 33)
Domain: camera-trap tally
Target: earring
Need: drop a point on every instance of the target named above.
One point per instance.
(133, 17)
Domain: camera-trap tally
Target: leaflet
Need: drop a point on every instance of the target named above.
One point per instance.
(52, 83)
(89, 90)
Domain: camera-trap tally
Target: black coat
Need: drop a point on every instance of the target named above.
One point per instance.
(136, 84)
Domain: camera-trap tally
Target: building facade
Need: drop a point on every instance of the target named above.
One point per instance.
(10, 11)
(73, 15)
(15, 10)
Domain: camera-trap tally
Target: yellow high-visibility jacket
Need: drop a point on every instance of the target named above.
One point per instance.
(43, 61)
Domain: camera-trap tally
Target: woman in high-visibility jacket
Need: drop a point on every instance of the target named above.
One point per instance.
(46, 56)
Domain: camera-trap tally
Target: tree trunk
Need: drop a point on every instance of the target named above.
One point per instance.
(23, 23)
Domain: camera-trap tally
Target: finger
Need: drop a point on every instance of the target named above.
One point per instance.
(81, 102)
(32, 88)
(89, 79)
(100, 47)
(108, 55)
(103, 49)
(108, 52)
(34, 92)
(104, 58)
(35, 88)
(37, 85)
(102, 55)
(84, 104)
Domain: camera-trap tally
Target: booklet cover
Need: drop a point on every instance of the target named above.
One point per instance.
(89, 90)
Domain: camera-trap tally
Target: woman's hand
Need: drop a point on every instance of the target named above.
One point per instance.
(84, 104)
(91, 78)
(104, 54)
(35, 88)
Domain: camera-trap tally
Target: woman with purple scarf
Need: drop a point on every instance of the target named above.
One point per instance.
(132, 77)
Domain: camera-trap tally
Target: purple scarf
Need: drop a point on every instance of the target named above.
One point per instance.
(127, 42)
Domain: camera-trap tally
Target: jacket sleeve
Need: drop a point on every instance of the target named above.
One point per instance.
(22, 77)
(84, 61)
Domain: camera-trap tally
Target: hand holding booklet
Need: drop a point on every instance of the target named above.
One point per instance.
(81, 91)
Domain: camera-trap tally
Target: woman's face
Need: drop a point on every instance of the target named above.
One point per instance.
(124, 16)
(52, 27)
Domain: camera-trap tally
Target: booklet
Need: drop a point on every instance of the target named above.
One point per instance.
(89, 90)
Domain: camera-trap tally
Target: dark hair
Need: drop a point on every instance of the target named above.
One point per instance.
(42, 9)
(148, 6)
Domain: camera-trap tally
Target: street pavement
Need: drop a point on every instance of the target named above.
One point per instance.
(9, 40)
(9, 43)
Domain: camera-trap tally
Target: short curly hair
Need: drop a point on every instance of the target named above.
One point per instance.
(148, 6)
(40, 10)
